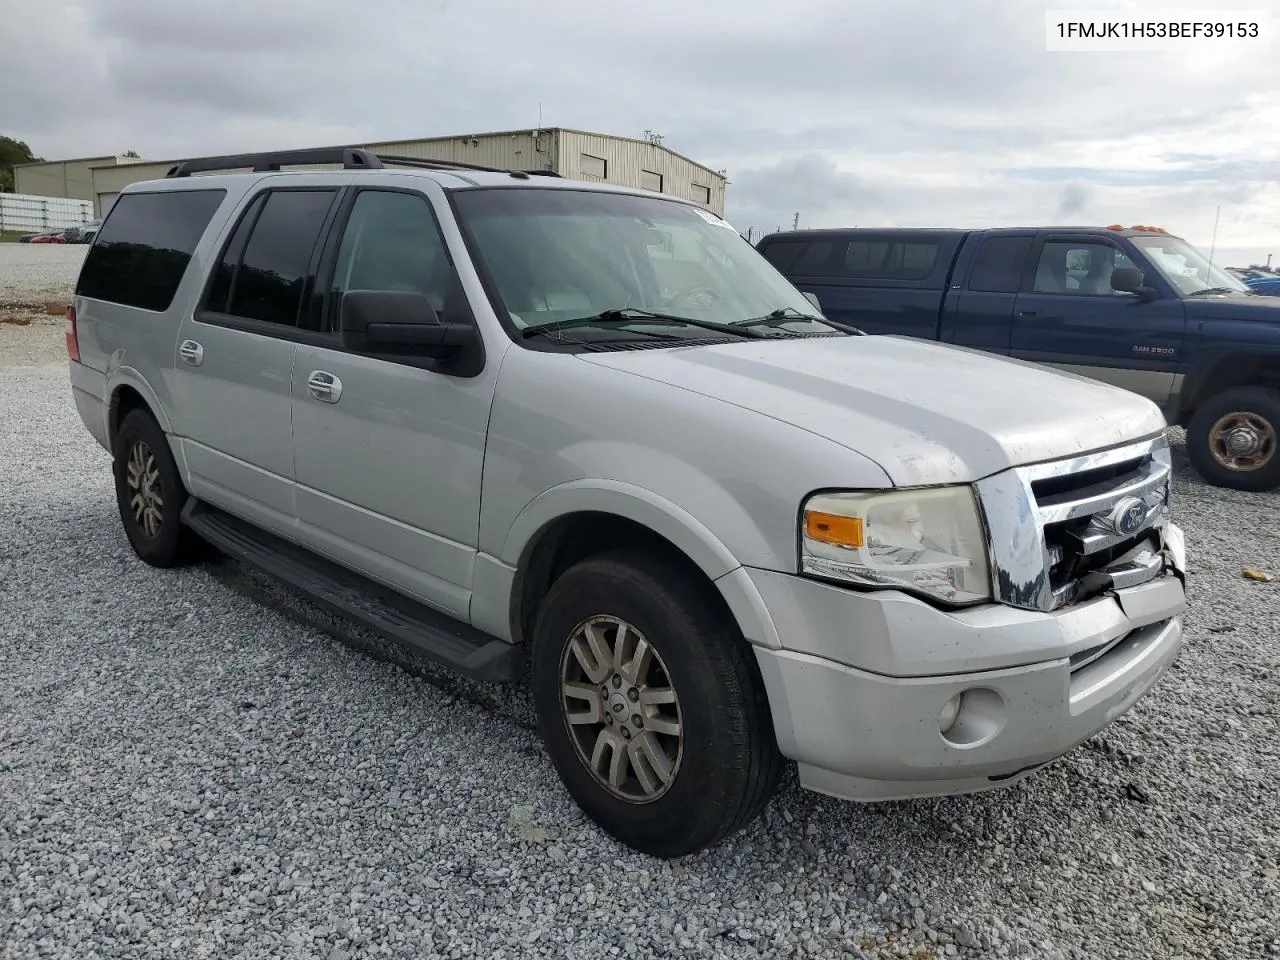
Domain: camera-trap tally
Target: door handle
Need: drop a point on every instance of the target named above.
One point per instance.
(191, 353)
(1028, 313)
(324, 386)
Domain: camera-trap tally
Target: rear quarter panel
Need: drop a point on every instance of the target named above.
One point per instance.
(132, 347)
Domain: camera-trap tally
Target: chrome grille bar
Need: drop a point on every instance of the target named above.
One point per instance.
(1023, 558)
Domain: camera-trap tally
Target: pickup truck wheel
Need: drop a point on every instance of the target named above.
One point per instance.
(150, 493)
(651, 706)
(1232, 439)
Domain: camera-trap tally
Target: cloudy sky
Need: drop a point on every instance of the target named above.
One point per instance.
(868, 112)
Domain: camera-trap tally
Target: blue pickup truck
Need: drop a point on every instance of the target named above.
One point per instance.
(1135, 307)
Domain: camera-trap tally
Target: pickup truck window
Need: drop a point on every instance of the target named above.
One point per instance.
(1185, 267)
(1079, 267)
(889, 260)
(557, 255)
(998, 265)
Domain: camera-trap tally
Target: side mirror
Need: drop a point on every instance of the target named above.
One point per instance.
(399, 323)
(813, 298)
(1129, 280)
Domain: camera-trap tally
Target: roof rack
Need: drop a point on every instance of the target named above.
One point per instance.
(426, 164)
(351, 158)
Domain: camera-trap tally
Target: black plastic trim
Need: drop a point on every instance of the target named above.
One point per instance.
(380, 609)
(351, 158)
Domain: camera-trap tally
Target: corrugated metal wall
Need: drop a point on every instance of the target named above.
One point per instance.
(518, 150)
(632, 163)
(71, 179)
(628, 160)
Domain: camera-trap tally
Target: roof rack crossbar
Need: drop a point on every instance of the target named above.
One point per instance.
(427, 164)
(351, 158)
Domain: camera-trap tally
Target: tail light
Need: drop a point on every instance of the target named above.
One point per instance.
(73, 341)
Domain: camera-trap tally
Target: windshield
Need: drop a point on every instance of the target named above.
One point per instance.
(1186, 267)
(557, 255)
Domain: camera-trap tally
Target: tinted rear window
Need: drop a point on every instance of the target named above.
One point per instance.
(873, 258)
(889, 259)
(784, 254)
(143, 248)
(268, 283)
(998, 266)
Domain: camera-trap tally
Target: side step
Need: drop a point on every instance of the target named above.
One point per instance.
(382, 610)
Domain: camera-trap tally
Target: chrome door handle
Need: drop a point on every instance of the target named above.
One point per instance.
(191, 353)
(324, 387)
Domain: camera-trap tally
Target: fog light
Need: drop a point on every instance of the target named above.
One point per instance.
(950, 710)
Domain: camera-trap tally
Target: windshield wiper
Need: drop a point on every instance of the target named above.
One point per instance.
(787, 315)
(632, 315)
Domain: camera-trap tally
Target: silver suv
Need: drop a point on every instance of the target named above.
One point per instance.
(534, 427)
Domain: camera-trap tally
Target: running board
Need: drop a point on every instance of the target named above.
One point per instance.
(370, 604)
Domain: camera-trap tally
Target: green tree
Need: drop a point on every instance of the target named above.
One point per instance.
(134, 154)
(12, 152)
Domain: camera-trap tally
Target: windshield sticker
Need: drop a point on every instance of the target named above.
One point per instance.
(713, 219)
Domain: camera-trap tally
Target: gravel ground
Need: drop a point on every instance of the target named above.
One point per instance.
(34, 275)
(197, 763)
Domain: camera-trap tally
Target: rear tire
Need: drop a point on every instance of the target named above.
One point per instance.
(689, 755)
(1233, 439)
(150, 494)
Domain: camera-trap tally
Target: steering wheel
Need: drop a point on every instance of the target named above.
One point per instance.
(695, 297)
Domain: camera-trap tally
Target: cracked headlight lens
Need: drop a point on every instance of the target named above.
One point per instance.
(928, 541)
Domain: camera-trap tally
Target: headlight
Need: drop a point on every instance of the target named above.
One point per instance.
(929, 541)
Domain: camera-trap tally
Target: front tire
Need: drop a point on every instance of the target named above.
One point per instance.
(150, 493)
(651, 705)
(1233, 439)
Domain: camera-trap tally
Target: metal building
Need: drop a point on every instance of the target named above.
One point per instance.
(68, 179)
(571, 153)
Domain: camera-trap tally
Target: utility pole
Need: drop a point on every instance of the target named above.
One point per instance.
(795, 222)
(1268, 261)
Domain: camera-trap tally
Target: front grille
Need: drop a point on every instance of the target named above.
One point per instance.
(1066, 531)
(1054, 490)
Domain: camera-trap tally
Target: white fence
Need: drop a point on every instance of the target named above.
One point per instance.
(23, 212)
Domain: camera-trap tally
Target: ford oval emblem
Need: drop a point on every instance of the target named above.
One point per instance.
(1128, 516)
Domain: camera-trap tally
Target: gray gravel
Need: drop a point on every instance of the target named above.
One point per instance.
(32, 275)
(198, 764)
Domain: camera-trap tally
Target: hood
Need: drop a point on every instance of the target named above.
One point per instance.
(927, 413)
(1239, 307)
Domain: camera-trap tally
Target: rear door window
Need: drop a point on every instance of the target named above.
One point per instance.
(145, 245)
(999, 264)
(266, 263)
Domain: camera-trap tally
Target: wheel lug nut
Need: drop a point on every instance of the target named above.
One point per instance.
(633, 694)
(617, 681)
(604, 691)
(608, 718)
(626, 734)
(637, 720)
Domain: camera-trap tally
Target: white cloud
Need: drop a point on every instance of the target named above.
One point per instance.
(849, 111)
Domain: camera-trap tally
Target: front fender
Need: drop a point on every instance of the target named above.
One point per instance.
(654, 512)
